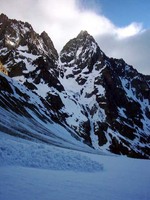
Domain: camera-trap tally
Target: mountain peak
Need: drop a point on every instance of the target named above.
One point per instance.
(3, 17)
(83, 33)
(83, 39)
(49, 44)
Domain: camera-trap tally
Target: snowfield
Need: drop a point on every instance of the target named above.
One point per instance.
(30, 154)
(36, 171)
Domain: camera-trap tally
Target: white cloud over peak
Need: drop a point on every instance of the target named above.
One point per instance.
(130, 30)
(63, 20)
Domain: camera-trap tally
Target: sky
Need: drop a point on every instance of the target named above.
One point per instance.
(121, 28)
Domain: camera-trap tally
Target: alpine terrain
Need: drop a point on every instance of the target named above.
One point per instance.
(79, 99)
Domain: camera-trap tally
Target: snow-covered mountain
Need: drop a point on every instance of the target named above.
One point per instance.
(80, 96)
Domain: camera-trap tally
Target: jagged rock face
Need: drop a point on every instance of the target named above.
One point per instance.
(127, 94)
(31, 59)
(25, 53)
(80, 54)
(102, 101)
(114, 96)
(15, 33)
(28, 57)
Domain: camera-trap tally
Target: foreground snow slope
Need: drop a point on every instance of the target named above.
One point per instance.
(19, 152)
(35, 171)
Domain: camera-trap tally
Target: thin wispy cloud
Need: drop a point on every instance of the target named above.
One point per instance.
(64, 19)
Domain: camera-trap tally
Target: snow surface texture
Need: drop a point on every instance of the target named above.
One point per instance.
(68, 174)
(30, 154)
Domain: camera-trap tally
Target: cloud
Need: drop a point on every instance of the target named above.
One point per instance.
(130, 30)
(134, 50)
(63, 20)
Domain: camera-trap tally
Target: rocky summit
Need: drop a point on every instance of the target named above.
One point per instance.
(99, 101)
